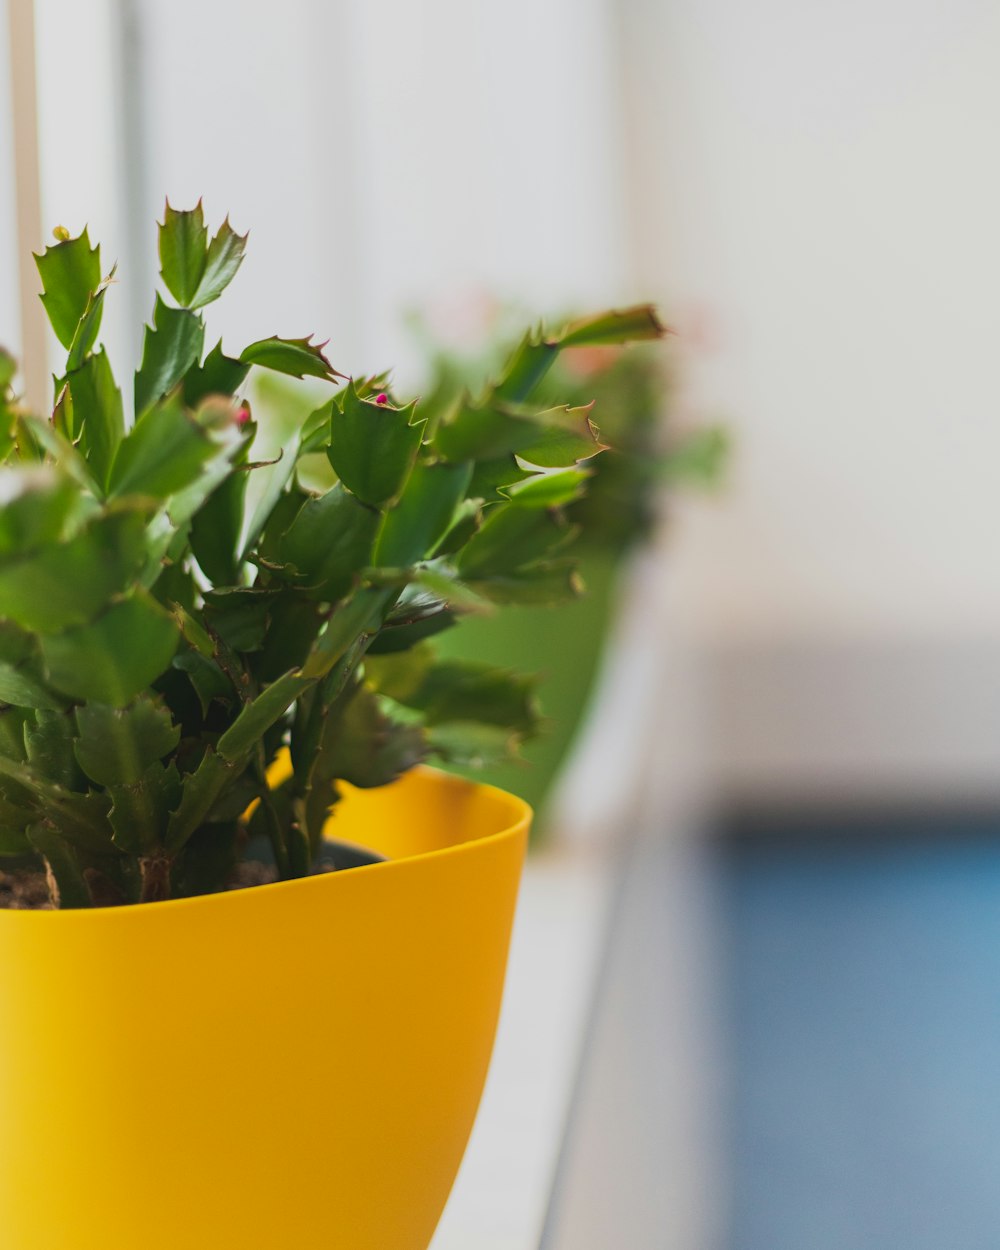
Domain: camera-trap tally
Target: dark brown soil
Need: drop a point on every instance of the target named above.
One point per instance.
(249, 872)
(337, 856)
(29, 891)
(24, 891)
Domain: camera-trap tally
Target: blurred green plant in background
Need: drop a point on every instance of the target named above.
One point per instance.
(648, 456)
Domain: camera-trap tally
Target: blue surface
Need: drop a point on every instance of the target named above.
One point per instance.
(865, 1039)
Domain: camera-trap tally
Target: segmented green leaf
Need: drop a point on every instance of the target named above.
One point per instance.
(468, 518)
(183, 241)
(165, 452)
(490, 478)
(527, 368)
(568, 436)
(330, 541)
(293, 625)
(12, 725)
(116, 746)
(240, 616)
(97, 414)
(271, 481)
(469, 745)
(400, 635)
(185, 505)
(260, 715)
(115, 657)
(82, 818)
(142, 808)
(38, 439)
(399, 676)
(48, 742)
(170, 347)
(373, 446)
(487, 431)
(71, 272)
(549, 490)
(298, 358)
(225, 255)
(88, 327)
(209, 681)
(41, 506)
(510, 539)
(441, 581)
(547, 584)
(456, 690)
(423, 515)
(356, 617)
(216, 529)
(20, 686)
(494, 432)
(628, 325)
(218, 374)
(16, 644)
(67, 583)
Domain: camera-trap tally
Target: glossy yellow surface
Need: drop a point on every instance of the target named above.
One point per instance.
(290, 1067)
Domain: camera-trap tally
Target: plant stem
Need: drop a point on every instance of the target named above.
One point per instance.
(275, 832)
(155, 871)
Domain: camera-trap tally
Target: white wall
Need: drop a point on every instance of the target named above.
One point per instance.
(488, 153)
(249, 96)
(81, 152)
(816, 196)
(388, 152)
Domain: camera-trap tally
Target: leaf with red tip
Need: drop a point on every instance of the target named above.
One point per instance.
(373, 446)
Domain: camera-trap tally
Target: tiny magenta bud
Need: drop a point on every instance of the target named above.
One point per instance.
(381, 398)
(242, 415)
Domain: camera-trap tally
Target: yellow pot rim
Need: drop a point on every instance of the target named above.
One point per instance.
(520, 814)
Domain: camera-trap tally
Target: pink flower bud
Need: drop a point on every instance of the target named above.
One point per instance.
(381, 398)
(242, 415)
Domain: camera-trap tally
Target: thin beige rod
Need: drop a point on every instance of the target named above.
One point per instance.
(34, 337)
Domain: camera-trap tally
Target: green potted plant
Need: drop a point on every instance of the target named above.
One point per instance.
(648, 454)
(201, 659)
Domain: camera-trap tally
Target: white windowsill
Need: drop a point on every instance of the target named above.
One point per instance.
(501, 1196)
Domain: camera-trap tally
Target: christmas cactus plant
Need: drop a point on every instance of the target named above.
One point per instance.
(655, 453)
(197, 648)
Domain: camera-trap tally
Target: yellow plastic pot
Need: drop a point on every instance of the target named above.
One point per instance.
(288, 1067)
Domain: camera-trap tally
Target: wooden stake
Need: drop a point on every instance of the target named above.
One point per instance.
(34, 332)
